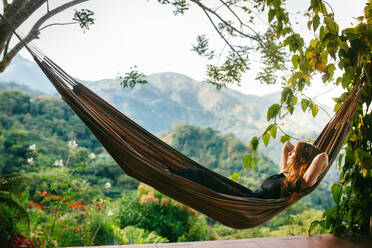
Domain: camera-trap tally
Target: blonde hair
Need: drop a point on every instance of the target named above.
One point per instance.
(304, 153)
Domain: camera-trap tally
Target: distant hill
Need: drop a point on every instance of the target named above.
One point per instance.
(18, 87)
(172, 98)
(25, 72)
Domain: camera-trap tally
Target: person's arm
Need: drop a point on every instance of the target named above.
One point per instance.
(287, 147)
(318, 165)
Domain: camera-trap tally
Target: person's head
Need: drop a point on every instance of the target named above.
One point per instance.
(298, 162)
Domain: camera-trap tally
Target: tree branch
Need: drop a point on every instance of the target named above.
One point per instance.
(5, 4)
(57, 24)
(285, 133)
(7, 46)
(34, 31)
(16, 14)
(208, 10)
(36, 28)
(242, 23)
(224, 38)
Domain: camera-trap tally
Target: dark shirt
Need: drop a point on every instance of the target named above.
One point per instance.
(269, 189)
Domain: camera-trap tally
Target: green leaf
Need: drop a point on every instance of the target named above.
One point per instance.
(294, 100)
(331, 25)
(266, 138)
(351, 33)
(322, 32)
(337, 107)
(345, 82)
(295, 60)
(247, 161)
(304, 104)
(273, 131)
(271, 15)
(314, 224)
(316, 22)
(254, 144)
(273, 111)
(326, 77)
(284, 138)
(291, 218)
(338, 81)
(331, 69)
(290, 109)
(130, 79)
(314, 110)
(323, 8)
(235, 176)
(336, 192)
(309, 24)
(313, 43)
(254, 163)
(363, 159)
(340, 157)
(294, 42)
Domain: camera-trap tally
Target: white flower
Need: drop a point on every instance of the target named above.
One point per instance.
(107, 185)
(72, 144)
(109, 213)
(32, 147)
(58, 163)
(92, 156)
(30, 160)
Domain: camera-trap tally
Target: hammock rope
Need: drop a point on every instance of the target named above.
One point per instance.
(148, 159)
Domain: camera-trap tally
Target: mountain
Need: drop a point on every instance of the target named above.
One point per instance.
(171, 98)
(25, 72)
(18, 87)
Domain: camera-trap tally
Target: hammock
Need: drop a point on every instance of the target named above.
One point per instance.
(148, 159)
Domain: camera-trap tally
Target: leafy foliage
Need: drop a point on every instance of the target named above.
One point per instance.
(130, 79)
(331, 50)
(12, 212)
(152, 211)
(135, 235)
(10, 189)
(84, 17)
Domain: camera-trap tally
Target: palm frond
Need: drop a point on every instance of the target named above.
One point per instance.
(12, 182)
(6, 199)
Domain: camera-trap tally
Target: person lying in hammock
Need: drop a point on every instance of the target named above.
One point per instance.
(300, 168)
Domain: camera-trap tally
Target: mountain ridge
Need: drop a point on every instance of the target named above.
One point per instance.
(171, 98)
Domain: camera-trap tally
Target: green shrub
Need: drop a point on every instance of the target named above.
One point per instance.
(198, 231)
(135, 235)
(152, 211)
(102, 230)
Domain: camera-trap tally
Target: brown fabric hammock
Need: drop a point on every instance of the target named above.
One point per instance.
(148, 159)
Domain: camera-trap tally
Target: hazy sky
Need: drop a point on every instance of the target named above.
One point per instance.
(146, 34)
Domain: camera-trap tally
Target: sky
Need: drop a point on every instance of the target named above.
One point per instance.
(145, 34)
